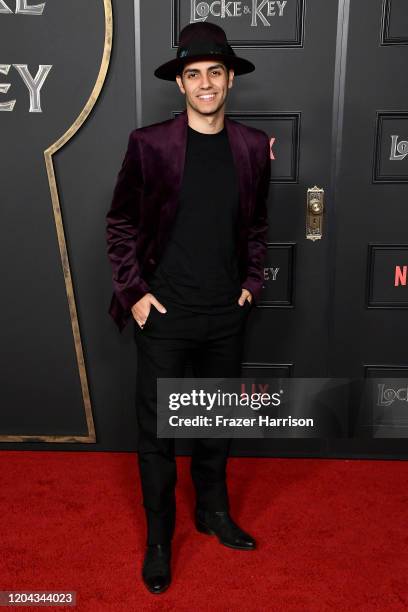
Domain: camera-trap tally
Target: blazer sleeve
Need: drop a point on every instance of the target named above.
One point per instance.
(122, 222)
(258, 229)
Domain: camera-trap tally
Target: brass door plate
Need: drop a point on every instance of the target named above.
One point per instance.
(314, 213)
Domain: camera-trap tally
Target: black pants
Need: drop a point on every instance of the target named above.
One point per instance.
(212, 344)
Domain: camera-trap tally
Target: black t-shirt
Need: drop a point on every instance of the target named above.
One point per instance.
(199, 266)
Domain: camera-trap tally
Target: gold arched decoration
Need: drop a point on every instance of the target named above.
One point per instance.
(48, 153)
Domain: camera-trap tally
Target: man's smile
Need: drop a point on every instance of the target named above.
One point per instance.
(207, 97)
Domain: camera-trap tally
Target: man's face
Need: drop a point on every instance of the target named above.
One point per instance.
(205, 85)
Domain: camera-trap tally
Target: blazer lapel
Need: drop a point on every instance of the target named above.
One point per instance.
(172, 173)
(242, 162)
(177, 143)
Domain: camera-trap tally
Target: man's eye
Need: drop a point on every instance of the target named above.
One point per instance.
(216, 72)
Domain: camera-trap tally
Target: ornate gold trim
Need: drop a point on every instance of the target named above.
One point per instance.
(48, 153)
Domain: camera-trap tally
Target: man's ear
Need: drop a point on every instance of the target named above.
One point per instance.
(180, 83)
(230, 77)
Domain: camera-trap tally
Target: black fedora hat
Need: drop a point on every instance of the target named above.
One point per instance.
(203, 40)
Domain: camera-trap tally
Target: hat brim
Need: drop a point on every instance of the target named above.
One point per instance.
(169, 70)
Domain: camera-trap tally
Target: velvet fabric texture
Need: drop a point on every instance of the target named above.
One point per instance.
(145, 199)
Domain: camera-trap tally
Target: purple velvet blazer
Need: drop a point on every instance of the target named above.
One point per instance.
(145, 201)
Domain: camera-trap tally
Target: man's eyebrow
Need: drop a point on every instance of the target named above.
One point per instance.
(198, 70)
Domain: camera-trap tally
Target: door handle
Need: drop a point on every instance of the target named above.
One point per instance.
(314, 213)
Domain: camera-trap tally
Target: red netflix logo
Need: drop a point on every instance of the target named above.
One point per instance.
(400, 276)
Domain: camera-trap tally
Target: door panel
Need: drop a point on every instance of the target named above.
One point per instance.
(370, 296)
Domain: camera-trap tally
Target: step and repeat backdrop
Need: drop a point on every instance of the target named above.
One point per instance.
(75, 79)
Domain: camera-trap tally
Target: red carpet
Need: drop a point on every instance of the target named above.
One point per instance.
(332, 534)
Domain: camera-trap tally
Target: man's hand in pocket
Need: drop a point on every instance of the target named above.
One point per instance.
(141, 309)
(245, 295)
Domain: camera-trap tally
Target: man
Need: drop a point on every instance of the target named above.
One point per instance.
(186, 237)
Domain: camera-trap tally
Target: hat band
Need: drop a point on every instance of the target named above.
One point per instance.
(204, 48)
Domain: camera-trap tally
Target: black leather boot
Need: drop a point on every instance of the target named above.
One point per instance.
(222, 525)
(156, 570)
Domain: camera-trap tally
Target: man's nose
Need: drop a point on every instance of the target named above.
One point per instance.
(205, 82)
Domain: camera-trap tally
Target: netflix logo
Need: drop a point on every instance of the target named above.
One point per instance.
(400, 276)
(387, 282)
